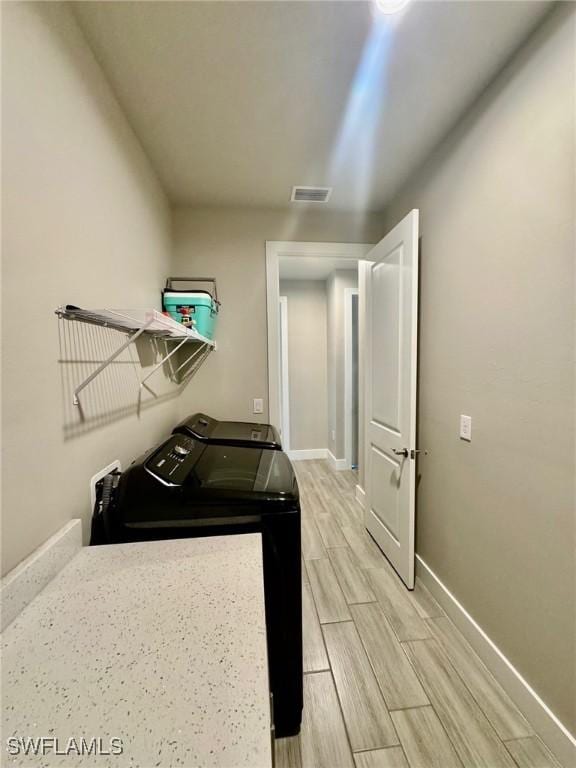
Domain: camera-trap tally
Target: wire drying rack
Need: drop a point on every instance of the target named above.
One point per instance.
(136, 323)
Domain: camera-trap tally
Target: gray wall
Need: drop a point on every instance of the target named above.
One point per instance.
(230, 244)
(307, 362)
(338, 282)
(496, 516)
(84, 222)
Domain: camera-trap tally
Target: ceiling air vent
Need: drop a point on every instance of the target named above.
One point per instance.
(310, 194)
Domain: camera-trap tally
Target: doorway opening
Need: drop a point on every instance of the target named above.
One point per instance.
(348, 343)
(313, 337)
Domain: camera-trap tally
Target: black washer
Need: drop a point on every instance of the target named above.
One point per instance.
(185, 488)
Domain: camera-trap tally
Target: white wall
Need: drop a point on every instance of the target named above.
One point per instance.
(84, 222)
(338, 282)
(496, 516)
(307, 362)
(230, 244)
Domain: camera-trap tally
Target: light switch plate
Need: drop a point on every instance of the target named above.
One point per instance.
(258, 405)
(466, 428)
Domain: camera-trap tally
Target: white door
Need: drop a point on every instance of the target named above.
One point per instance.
(391, 377)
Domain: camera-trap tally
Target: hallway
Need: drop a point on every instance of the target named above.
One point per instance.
(389, 681)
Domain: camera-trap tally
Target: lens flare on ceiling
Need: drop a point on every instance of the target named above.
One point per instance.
(353, 156)
(390, 6)
(358, 137)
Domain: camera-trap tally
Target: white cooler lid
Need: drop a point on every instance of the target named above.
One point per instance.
(188, 294)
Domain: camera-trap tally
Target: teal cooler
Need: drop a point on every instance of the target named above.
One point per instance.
(196, 309)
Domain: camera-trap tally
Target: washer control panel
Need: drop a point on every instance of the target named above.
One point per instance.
(174, 460)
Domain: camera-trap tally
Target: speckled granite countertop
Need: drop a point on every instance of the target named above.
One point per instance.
(161, 645)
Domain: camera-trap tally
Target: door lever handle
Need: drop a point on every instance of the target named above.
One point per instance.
(405, 452)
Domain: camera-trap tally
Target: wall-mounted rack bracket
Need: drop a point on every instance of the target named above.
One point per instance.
(136, 323)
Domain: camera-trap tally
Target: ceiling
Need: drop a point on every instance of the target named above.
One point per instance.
(236, 102)
(312, 267)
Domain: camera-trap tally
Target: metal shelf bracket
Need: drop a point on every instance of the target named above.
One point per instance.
(105, 363)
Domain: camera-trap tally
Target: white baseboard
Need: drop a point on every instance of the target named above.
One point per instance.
(308, 453)
(337, 464)
(556, 736)
(361, 496)
(318, 453)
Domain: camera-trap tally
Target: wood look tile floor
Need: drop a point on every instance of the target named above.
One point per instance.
(389, 682)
